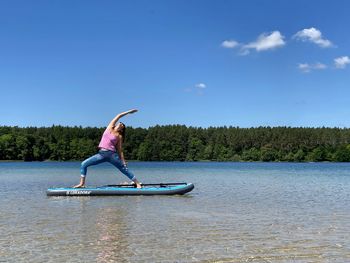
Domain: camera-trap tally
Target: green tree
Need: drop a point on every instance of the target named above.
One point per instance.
(316, 155)
(251, 154)
(195, 149)
(8, 146)
(342, 154)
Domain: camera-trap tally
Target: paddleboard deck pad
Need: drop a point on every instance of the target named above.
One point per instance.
(147, 189)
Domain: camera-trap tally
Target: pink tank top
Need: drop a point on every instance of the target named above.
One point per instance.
(108, 141)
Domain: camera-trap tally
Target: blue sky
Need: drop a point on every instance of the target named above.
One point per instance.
(198, 63)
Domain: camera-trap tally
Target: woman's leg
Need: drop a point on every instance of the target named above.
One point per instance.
(115, 160)
(93, 160)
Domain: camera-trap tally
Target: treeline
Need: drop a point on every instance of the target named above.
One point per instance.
(181, 143)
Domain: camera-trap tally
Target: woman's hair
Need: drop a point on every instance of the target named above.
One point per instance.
(122, 132)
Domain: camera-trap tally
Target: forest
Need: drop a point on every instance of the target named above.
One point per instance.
(181, 143)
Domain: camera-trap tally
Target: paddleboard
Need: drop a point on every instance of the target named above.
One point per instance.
(147, 189)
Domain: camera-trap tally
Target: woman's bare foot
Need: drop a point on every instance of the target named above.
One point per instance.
(79, 186)
(137, 183)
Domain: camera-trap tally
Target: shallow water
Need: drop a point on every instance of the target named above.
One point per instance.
(238, 212)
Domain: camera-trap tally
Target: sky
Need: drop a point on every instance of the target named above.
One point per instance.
(197, 63)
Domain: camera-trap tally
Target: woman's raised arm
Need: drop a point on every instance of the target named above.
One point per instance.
(120, 115)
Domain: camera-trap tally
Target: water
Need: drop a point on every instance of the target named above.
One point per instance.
(238, 212)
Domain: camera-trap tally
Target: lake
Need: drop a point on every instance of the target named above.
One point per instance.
(238, 212)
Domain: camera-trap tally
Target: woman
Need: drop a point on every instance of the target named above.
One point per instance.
(110, 150)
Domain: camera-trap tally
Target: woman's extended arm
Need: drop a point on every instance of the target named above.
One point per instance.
(120, 151)
(116, 118)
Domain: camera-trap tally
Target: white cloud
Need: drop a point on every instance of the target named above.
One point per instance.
(244, 52)
(305, 67)
(341, 62)
(319, 66)
(200, 86)
(313, 35)
(265, 42)
(229, 44)
(198, 89)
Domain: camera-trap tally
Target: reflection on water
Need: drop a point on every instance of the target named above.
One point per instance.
(237, 213)
(111, 236)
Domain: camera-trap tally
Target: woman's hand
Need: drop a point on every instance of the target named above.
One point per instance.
(132, 111)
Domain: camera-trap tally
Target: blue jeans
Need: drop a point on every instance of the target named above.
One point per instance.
(105, 156)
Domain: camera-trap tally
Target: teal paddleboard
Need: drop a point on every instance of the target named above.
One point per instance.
(147, 189)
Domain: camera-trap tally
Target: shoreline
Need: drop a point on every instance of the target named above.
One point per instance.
(160, 161)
